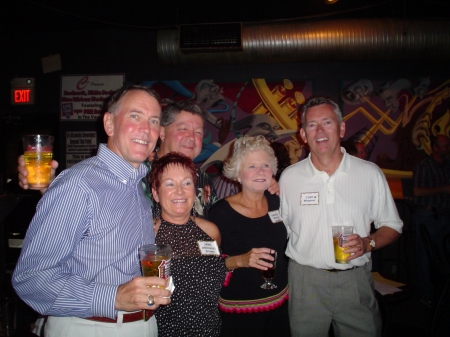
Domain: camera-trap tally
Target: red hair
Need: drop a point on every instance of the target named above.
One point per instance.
(160, 165)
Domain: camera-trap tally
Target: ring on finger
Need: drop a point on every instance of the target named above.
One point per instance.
(151, 300)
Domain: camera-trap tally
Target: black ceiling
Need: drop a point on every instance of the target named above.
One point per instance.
(26, 16)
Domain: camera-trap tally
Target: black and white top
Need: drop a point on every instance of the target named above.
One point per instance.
(198, 279)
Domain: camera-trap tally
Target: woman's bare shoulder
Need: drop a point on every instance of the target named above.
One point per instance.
(209, 228)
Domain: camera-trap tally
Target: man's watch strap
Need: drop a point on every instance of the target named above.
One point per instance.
(371, 242)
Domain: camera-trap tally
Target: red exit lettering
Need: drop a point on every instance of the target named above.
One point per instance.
(22, 96)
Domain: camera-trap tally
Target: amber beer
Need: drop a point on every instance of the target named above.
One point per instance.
(38, 158)
(156, 266)
(155, 260)
(38, 165)
(340, 234)
(339, 254)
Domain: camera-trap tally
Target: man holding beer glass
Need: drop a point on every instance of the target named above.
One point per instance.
(79, 262)
(325, 191)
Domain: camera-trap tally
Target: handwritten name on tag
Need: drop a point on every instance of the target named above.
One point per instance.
(208, 247)
(311, 198)
(275, 216)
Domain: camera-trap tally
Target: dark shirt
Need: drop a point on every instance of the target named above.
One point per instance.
(239, 235)
(430, 173)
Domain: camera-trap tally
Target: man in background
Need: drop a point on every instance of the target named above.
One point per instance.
(432, 198)
(361, 151)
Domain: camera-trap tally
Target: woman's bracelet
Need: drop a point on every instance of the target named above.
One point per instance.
(225, 257)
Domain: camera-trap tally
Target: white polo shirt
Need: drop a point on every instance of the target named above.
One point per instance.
(356, 194)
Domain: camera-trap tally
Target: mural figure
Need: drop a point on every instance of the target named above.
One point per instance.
(386, 115)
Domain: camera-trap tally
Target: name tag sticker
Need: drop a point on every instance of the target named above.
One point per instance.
(311, 198)
(208, 247)
(275, 216)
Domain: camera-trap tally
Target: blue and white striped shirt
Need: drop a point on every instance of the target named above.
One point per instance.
(83, 240)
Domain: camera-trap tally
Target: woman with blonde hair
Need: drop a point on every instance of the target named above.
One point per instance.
(252, 231)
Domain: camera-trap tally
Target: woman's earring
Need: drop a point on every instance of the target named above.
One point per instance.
(157, 211)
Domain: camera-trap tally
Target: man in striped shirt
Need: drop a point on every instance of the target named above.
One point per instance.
(79, 262)
(332, 188)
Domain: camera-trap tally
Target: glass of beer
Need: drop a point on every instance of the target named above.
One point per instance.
(269, 274)
(340, 234)
(38, 154)
(155, 260)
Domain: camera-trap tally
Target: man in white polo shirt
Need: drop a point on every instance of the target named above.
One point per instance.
(326, 189)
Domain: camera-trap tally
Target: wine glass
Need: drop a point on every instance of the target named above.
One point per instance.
(269, 274)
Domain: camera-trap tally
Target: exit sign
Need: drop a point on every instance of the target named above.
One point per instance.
(22, 91)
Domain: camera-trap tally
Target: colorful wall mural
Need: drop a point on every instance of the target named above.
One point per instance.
(254, 107)
(393, 119)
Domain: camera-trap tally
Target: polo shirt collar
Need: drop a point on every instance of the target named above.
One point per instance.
(343, 167)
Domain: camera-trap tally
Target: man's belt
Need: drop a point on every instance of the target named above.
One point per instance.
(435, 210)
(127, 318)
(339, 270)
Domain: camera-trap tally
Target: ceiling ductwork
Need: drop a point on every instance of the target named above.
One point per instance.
(338, 40)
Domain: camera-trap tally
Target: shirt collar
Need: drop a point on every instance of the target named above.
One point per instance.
(343, 167)
(124, 171)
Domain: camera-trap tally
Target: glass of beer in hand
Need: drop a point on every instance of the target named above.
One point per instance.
(340, 234)
(38, 154)
(269, 274)
(155, 260)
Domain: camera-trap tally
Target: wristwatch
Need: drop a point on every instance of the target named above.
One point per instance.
(371, 242)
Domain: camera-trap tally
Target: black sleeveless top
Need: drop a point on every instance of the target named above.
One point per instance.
(198, 279)
(239, 234)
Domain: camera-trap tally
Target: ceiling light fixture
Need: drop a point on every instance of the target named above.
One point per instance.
(329, 2)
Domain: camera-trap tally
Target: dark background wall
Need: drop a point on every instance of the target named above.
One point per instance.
(133, 53)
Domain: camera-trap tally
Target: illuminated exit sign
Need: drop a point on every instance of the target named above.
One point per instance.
(22, 91)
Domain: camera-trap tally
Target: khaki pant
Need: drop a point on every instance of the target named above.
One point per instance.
(345, 300)
(79, 327)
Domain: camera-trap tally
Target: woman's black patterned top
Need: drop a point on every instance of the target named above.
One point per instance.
(198, 279)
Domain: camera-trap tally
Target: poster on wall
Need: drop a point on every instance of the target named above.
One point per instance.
(80, 145)
(83, 96)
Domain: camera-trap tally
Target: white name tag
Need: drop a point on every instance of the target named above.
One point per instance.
(311, 198)
(208, 247)
(275, 216)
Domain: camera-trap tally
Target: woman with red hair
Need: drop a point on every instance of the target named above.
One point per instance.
(197, 268)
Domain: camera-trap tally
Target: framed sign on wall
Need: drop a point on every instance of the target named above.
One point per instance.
(83, 96)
